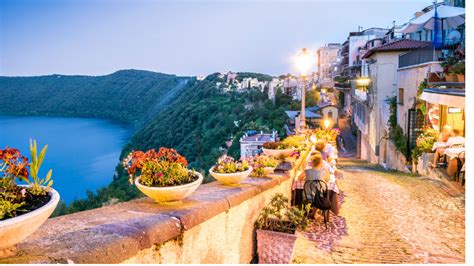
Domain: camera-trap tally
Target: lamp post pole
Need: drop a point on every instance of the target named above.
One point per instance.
(303, 64)
(303, 102)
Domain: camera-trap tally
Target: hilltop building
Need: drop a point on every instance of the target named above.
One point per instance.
(251, 142)
(327, 61)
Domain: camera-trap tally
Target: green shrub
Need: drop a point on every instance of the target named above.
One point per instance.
(277, 216)
(396, 132)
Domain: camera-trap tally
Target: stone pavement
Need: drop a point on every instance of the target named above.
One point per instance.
(387, 217)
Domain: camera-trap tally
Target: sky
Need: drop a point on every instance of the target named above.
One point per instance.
(187, 38)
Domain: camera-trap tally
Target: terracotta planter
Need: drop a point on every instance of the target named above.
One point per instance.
(275, 247)
(460, 77)
(231, 179)
(170, 194)
(277, 153)
(15, 230)
(451, 78)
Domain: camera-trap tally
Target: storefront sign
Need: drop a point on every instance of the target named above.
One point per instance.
(454, 110)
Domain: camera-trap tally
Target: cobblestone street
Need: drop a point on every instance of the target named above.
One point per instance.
(387, 217)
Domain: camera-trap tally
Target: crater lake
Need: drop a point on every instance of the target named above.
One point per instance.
(83, 152)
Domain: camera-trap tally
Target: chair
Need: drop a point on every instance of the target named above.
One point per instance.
(310, 190)
(460, 174)
(457, 145)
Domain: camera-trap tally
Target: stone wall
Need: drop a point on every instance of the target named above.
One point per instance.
(214, 225)
(395, 159)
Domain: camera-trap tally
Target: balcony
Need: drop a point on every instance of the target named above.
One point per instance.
(429, 54)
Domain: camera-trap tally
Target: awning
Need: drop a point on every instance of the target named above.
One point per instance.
(448, 97)
(450, 16)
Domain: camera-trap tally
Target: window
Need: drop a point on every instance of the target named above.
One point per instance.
(401, 96)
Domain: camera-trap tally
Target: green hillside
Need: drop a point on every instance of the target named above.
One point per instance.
(126, 96)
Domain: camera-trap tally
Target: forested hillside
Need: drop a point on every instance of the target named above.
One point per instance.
(126, 96)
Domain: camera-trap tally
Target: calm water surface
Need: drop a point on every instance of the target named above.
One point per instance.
(82, 152)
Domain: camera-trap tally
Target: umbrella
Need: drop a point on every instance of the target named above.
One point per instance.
(441, 17)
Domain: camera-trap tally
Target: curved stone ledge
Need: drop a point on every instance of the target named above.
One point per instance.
(143, 231)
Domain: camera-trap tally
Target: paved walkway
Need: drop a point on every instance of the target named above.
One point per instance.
(387, 217)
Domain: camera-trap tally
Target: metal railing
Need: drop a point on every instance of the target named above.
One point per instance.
(419, 56)
(429, 54)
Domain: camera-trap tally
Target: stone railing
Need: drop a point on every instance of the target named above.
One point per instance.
(214, 225)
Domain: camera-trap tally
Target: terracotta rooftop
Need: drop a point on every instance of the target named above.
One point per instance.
(399, 45)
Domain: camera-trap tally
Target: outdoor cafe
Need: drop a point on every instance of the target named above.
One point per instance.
(445, 114)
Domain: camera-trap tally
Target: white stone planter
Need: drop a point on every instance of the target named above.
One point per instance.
(15, 230)
(277, 153)
(169, 194)
(231, 179)
(275, 247)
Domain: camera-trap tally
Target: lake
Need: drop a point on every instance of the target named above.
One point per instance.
(82, 152)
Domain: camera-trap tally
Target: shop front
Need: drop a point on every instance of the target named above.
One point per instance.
(445, 107)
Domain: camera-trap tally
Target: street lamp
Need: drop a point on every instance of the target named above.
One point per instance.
(327, 123)
(363, 82)
(303, 63)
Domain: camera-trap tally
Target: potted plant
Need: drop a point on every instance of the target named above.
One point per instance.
(229, 171)
(163, 175)
(23, 208)
(459, 70)
(277, 149)
(276, 227)
(447, 69)
(424, 148)
(297, 142)
(329, 135)
(263, 165)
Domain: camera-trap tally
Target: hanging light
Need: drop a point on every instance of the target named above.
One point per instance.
(363, 82)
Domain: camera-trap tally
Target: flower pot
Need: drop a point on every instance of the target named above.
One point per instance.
(277, 153)
(15, 230)
(451, 78)
(170, 194)
(231, 179)
(460, 77)
(275, 247)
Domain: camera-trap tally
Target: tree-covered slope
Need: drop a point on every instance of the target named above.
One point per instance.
(201, 118)
(127, 96)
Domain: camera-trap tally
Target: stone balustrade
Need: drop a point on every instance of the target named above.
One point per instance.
(214, 225)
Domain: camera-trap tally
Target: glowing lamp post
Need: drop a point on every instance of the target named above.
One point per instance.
(363, 82)
(303, 63)
(327, 123)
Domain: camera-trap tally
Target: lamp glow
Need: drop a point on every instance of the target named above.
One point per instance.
(363, 82)
(303, 62)
(327, 123)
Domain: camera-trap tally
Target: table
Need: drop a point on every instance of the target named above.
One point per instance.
(439, 144)
(453, 153)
